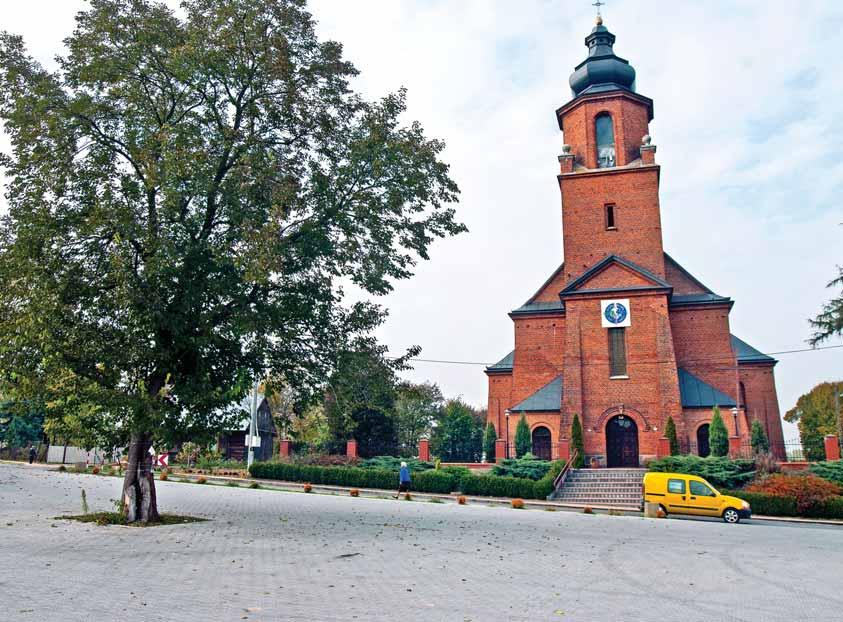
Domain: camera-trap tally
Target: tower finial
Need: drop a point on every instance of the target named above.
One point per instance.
(599, 19)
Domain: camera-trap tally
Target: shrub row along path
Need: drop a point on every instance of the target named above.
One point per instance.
(268, 555)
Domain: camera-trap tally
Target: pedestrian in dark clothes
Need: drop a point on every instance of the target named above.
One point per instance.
(403, 479)
(32, 454)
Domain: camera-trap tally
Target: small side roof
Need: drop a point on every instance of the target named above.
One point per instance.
(696, 393)
(549, 397)
(505, 364)
(745, 353)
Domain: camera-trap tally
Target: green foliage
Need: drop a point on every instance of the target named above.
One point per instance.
(718, 436)
(458, 435)
(523, 442)
(670, 433)
(21, 423)
(187, 192)
(758, 438)
(416, 408)
(489, 438)
(310, 429)
(764, 504)
(829, 321)
(432, 480)
(577, 442)
(525, 468)
(721, 472)
(815, 416)
(832, 471)
(374, 431)
(391, 463)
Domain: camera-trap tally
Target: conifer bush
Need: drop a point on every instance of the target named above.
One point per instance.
(719, 471)
(670, 433)
(489, 438)
(832, 471)
(718, 436)
(527, 467)
(577, 442)
(758, 438)
(523, 442)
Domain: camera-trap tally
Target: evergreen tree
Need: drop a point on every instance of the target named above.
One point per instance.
(758, 438)
(489, 439)
(670, 433)
(815, 415)
(577, 442)
(458, 434)
(523, 442)
(718, 436)
(829, 321)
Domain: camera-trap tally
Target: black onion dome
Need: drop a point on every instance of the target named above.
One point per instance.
(602, 70)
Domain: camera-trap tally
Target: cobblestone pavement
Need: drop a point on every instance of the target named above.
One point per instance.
(290, 556)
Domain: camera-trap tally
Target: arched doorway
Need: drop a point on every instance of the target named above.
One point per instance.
(703, 448)
(621, 442)
(541, 443)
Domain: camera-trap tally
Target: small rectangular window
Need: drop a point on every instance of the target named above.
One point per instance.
(676, 486)
(617, 352)
(610, 216)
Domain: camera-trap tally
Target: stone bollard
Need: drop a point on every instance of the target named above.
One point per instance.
(651, 510)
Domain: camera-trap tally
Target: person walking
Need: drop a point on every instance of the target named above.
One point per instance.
(403, 479)
(32, 454)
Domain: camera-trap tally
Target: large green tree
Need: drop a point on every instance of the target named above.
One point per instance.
(829, 321)
(416, 408)
(814, 415)
(187, 191)
(458, 433)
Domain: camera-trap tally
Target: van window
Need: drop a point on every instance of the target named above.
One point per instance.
(676, 486)
(700, 489)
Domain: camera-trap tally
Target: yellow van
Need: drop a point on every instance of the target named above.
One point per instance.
(678, 493)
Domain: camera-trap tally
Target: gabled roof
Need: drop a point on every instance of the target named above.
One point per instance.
(505, 364)
(549, 397)
(696, 393)
(604, 263)
(745, 353)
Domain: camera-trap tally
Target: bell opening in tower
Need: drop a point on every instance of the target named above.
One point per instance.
(605, 141)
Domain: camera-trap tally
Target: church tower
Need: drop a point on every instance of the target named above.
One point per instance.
(620, 334)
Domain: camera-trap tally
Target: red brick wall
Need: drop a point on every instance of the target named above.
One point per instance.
(500, 398)
(703, 346)
(762, 401)
(539, 353)
(638, 237)
(616, 275)
(630, 121)
(550, 291)
(681, 283)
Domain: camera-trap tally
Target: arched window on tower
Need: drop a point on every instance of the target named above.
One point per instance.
(605, 141)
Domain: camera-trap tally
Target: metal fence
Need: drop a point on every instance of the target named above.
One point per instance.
(787, 451)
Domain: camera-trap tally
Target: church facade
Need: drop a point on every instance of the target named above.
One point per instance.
(620, 333)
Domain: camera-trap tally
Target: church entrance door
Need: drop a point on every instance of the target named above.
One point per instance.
(703, 448)
(621, 442)
(541, 443)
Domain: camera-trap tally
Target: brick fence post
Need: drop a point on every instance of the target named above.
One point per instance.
(500, 450)
(285, 447)
(351, 448)
(424, 450)
(663, 449)
(734, 446)
(565, 449)
(832, 448)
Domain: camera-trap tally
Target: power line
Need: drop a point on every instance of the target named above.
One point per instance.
(697, 360)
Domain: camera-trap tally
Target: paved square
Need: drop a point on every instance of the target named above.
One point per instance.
(269, 555)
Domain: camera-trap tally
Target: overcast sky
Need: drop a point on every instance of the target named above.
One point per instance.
(747, 124)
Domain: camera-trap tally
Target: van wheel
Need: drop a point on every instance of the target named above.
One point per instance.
(730, 515)
(663, 509)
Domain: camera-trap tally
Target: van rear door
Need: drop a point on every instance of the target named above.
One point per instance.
(676, 497)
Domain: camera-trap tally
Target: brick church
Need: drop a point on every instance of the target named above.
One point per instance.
(620, 333)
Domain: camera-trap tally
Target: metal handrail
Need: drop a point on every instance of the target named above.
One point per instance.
(560, 479)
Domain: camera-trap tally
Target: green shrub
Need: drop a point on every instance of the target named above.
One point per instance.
(489, 438)
(526, 468)
(718, 436)
(577, 442)
(523, 442)
(670, 433)
(764, 504)
(458, 472)
(720, 472)
(391, 463)
(758, 438)
(832, 471)
(830, 508)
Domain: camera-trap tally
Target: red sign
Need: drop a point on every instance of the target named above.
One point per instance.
(162, 460)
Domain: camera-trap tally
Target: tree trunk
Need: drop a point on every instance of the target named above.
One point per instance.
(139, 499)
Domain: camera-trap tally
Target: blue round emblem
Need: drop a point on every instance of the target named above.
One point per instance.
(615, 313)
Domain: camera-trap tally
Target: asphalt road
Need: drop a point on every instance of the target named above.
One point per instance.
(268, 555)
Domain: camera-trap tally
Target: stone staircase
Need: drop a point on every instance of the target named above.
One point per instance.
(618, 488)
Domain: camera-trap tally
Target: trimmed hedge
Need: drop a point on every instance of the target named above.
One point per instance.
(765, 504)
(435, 480)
